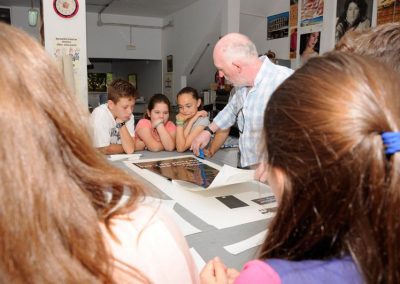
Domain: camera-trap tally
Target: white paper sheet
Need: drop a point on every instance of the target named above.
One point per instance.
(204, 204)
(198, 260)
(168, 206)
(246, 244)
(130, 157)
(186, 228)
(231, 175)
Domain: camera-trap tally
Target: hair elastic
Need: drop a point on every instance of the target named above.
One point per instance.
(391, 140)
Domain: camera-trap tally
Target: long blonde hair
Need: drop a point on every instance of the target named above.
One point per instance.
(53, 181)
(341, 195)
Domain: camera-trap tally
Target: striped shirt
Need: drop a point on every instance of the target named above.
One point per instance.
(247, 109)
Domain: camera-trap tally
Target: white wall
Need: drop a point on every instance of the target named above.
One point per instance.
(255, 25)
(111, 41)
(194, 27)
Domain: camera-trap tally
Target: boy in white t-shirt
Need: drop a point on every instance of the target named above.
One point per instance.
(113, 122)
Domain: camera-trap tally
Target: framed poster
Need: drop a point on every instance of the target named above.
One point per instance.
(352, 15)
(132, 78)
(278, 26)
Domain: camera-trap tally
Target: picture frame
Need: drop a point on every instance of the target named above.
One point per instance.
(170, 66)
(132, 78)
(97, 82)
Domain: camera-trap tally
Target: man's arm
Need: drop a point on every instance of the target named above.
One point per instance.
(203, 138)
(219, 139)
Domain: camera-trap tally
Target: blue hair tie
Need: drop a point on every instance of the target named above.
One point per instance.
(391, 140)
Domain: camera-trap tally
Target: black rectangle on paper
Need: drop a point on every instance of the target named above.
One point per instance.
(232, 201)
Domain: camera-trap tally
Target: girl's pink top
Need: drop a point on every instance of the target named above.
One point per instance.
(146, 123)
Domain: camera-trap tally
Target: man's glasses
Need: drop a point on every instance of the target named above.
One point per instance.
(240, 122)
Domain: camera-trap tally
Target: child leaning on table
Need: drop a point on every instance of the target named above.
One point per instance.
(333, 162)
(113, 122)
(190, 121)
(155, 130)
(57, 224)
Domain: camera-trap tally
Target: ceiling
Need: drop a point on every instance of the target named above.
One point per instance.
(145, 8)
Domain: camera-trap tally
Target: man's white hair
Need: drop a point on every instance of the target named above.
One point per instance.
(236, 46)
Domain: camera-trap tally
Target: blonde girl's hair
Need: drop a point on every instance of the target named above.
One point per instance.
(53, 182)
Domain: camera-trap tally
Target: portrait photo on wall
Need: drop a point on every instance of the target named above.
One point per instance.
(352, 15)
(309, 46)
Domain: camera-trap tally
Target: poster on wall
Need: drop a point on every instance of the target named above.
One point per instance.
(168, 82)
(293, 28)
(309, 46)
(70, 47)
(388, 11)
(67, 54)
(311, 12)
(352, 15)
(278, 26)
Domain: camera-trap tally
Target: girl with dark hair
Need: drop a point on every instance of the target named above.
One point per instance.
(68, 215)
(354, 17)
(332, 160)
(155, 130)
(309, 46)
(190, 121)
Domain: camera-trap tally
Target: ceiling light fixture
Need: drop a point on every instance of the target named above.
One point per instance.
(32, 16)
(130, 46)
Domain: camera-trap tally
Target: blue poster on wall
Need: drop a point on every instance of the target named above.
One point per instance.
(278, 26)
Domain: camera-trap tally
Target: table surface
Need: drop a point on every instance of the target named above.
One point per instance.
(210, 241)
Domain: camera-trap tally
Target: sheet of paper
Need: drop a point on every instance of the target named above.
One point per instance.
(168, 206)
(198, 260)
(246, 244)
(186, 228)
(223, 212)
(231, 175)
(130, 157)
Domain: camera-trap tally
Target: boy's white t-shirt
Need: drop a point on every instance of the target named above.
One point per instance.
(104, 125)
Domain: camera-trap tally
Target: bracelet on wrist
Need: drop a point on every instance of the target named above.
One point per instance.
(179, 122)
(208, 129)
